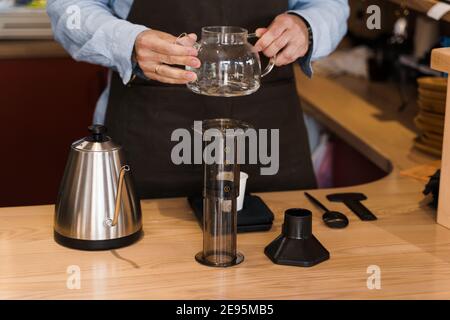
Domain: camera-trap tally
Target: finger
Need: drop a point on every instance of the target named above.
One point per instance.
(149, 56)
(188, 40)
(277, 45)
(275, 30)
(168, 71)
(260, 31)
(179, 60)
(148, 38)
(176, 73)
(160, 78)
(171, 38)
(288, 55)
(168, 37)
(172, 49)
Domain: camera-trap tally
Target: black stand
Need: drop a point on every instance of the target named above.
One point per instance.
(296, 245)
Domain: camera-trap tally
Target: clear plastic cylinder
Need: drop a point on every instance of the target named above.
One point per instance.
(220, 192)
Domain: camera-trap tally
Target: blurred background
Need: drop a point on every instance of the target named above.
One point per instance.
(46, 102)
(47, 99)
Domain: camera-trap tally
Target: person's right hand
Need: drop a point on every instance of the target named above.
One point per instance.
(156, 51)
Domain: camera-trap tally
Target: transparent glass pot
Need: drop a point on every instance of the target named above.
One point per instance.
(230, 64)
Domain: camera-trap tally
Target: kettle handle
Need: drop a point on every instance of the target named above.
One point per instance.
(272, 60)
(123, 170)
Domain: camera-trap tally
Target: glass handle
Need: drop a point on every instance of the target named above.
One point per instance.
(272, 60)
(196, 45)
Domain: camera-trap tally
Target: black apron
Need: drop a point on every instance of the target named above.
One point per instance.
(142, 116)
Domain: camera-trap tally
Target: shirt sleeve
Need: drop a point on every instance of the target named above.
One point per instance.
(101, 37)
(328, 22)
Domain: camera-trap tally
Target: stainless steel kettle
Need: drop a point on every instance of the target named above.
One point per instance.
(97, 207)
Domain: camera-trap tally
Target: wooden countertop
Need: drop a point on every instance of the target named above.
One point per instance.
(412, 251)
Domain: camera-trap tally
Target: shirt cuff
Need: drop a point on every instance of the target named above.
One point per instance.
(122, 48)
(305, 61)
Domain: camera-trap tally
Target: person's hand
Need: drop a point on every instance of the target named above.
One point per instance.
(156, 52)
(287, 37)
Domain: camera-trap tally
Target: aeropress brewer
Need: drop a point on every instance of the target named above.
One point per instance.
(220, 191)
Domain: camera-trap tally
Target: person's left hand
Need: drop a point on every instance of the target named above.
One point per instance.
(287, 37)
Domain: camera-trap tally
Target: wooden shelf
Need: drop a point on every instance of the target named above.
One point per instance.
(352, 109)
(25, 49)
(421, 6)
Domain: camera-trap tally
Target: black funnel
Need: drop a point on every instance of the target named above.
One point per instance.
(296, 245)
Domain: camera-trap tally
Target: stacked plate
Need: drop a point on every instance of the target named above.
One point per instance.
(430, 119)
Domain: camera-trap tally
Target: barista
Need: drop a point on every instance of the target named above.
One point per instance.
(147, 99)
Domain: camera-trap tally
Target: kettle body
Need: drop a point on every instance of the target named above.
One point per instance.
(97, 207)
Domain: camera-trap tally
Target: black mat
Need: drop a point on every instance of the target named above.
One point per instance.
(254, 216)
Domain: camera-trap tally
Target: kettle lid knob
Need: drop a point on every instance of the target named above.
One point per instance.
(98, 132)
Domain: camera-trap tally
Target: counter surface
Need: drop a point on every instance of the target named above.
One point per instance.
(411, 250)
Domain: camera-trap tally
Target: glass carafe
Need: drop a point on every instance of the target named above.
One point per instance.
(230, 66)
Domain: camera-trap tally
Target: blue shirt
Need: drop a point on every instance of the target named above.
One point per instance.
(107, 39)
